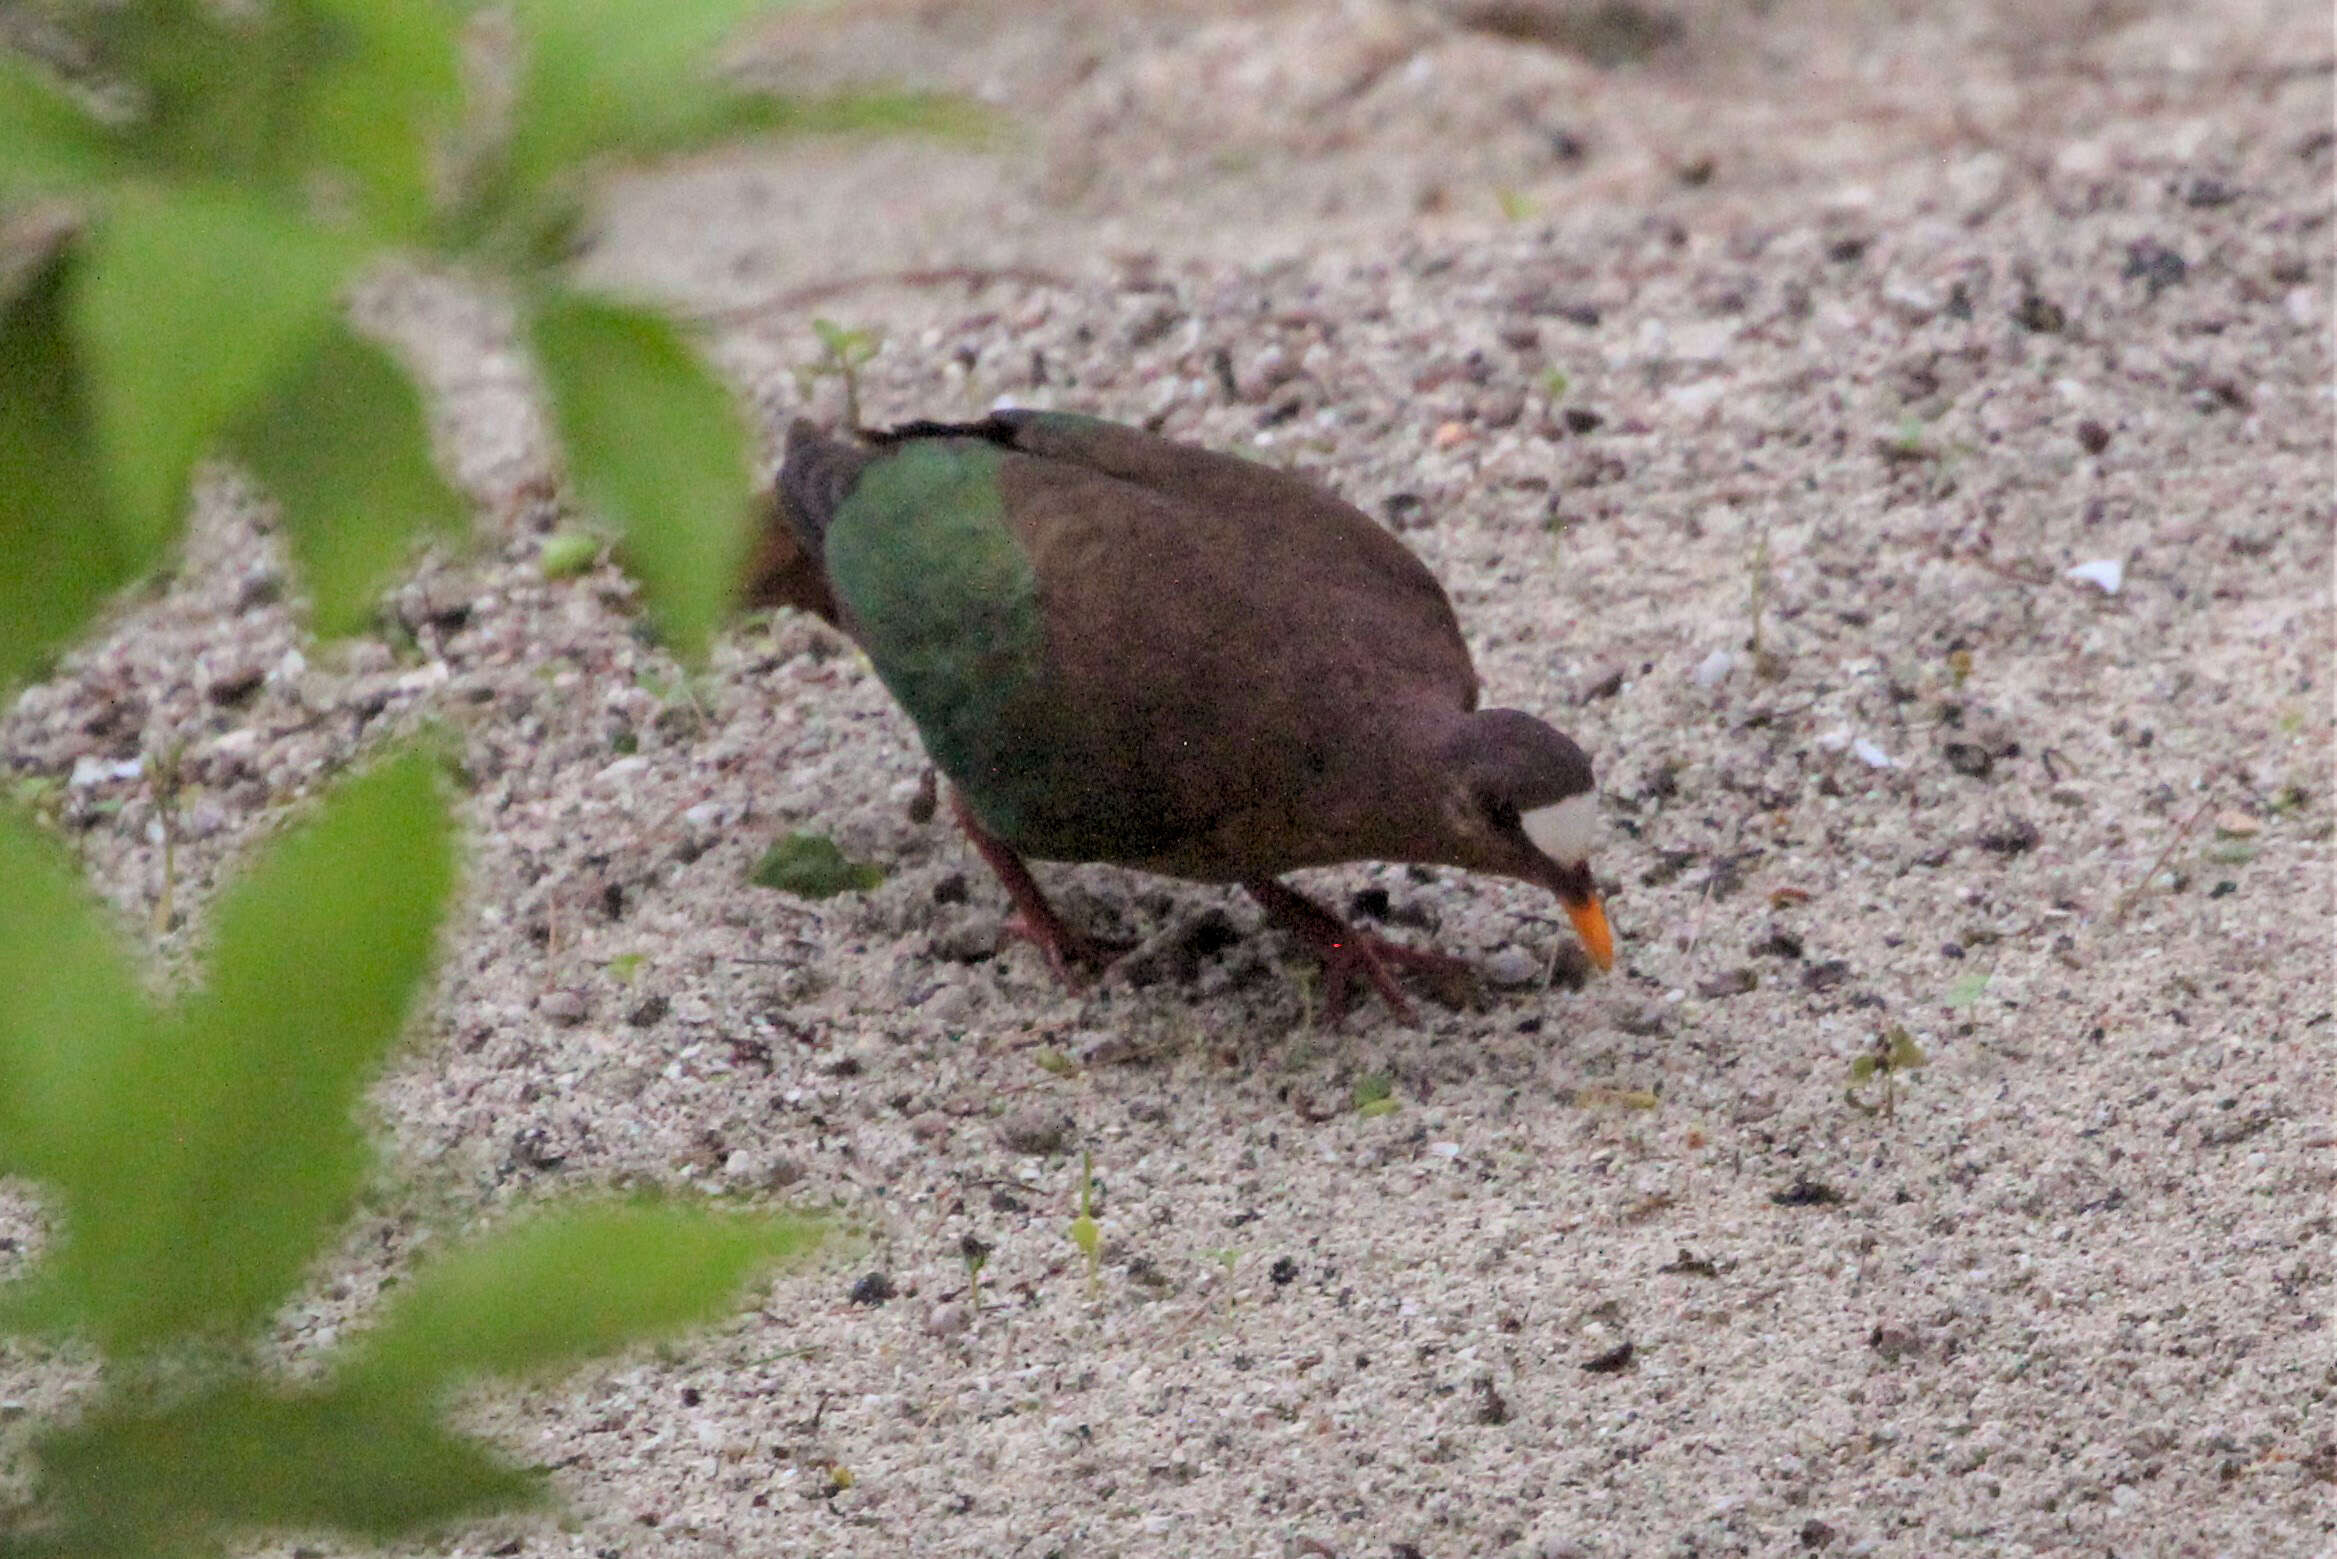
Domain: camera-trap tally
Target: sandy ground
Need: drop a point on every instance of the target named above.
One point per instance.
(1754, 402)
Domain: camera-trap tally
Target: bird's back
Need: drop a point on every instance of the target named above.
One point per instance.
(1125, 649)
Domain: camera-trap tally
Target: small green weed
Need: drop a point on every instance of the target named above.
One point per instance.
(843, 353)
(974, 1251)
(1894, 1051)
(1086, 1233)
(811, 867)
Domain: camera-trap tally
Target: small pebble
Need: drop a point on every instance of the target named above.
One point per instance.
(1512, 967)
(1736, 982)
(946, 1320)
(967, 938)
(566, 1008)
(1035, 1131)
(2107, 575)
(1969, 759)
(1449, 434)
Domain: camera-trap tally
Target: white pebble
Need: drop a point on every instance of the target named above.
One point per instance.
(2109, 574)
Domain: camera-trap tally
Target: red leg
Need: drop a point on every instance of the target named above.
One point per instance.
(1350, 955)
(1067, 949)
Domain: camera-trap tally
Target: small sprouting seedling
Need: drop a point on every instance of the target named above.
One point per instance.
(1765, 663)
(625, 966)
(1516, 205)
(1555, 384)
(567, 553)
(1963, 991)
(1907, 441)
(1055, 1063)
(1303, 977)
(1374, 1095)
(843, 353)
(1894, 1051)
(166, 770)
(1227, 1259)
(974, 1251)
(1086, 1233)
(1959, 664)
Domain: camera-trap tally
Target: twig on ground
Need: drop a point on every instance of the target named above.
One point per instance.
(2126, 899)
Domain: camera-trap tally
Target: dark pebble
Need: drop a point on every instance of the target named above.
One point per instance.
(2040, 314)
(2013, 836)
(1734, 983)
(1825, 976)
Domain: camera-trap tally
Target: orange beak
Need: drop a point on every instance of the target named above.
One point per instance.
(1590, 923)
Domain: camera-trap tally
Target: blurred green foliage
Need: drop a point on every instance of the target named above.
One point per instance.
(199, 1152)
(188, 190)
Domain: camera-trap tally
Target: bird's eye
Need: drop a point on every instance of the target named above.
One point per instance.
(1500, 812)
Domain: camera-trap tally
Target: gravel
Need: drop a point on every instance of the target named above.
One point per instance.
(1845, 409)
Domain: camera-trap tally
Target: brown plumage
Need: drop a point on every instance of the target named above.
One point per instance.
(1128, 650)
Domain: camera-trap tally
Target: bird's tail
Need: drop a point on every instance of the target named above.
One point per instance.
(788, 567)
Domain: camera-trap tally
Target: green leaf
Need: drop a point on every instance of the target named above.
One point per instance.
(72, 1017)
(343, 446)
(811, 867)
(193, 302)
(391, 83)
(47, 141)
(1966, 989)
(562, 1287)
(602, 74)
(238, 1457)
(59, 559)
(232, 1146)
(657, 443)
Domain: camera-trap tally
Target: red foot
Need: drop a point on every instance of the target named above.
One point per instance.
(1067, 950)
(1350, 955)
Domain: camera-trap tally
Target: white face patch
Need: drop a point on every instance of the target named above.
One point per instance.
(1566, 830)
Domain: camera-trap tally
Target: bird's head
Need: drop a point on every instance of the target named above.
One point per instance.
(1523, 804)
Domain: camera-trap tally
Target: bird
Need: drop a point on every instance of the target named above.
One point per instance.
(1119, 648)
